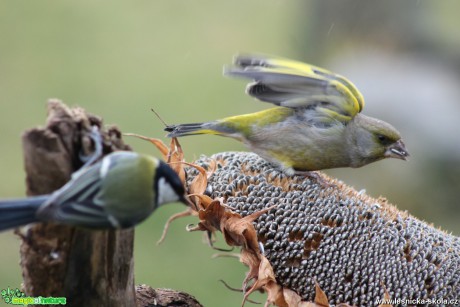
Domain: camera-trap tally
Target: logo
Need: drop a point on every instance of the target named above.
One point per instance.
(17, 297)
(8, 294)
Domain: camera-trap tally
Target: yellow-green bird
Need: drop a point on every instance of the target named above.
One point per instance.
(316, 125)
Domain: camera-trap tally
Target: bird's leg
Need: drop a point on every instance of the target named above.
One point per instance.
(290, 171)
(314, 175)
(88, 160)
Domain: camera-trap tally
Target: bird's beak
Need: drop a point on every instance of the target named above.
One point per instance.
(397, 150)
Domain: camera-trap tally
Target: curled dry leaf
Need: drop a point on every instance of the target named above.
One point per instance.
(266, 280)
(320, 297)
(198, 185)
(213, 216)
(188, 212)
(175, 158)
(293, 299)
(158, 143)
(201, 201)
(239, 231)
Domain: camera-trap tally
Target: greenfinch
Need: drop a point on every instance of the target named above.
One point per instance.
(316, 125)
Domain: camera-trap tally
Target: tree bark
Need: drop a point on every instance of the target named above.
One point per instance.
(88, 267)
(147, 296)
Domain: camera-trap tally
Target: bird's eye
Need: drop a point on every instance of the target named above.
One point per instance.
(382, 138)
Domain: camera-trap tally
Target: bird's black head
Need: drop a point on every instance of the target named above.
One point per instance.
(168, 185)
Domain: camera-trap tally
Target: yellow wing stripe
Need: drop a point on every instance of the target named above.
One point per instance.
(351, 94)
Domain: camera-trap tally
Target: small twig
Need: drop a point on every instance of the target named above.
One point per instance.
(230, 287)
(238, 290)
(229, 255)
(170, 220)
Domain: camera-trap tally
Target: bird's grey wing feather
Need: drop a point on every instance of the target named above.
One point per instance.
(298, 85)
(77, 202)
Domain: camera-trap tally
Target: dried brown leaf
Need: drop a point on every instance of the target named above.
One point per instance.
(192, 227)
(291, 298)
(204, 200)
(200, 182)
(320, 296)
(175, 157)
(157, 142)
(175, 153)
(239, 231)
(252, 260)
(212, 166)
(210, 216)
(216, 215)
(188, 212)
(266, 281)
(294, 300)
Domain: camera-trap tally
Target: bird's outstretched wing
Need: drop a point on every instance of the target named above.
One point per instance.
(293, 84)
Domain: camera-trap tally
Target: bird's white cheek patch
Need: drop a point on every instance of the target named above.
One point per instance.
(166, 193)
(104, 167)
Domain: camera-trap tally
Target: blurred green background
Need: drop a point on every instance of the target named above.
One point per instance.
(118, 59)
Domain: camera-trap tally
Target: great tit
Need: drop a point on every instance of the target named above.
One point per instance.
(316, 125)
(119, 191)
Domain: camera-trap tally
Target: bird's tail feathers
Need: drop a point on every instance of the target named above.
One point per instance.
(189, 129)
(19, 212)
